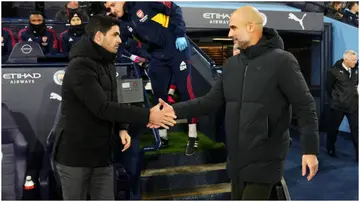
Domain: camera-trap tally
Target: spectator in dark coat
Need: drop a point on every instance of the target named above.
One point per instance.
(69, 8)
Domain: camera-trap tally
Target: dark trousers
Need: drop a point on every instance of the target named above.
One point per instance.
(335, 121)
(241, 190)
(131, 162)
(130, 159)
(175, 71)
(79, 182)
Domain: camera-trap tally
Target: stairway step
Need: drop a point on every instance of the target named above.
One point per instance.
(204, 192)
(159, 161)
(183, 177)
(183, 169)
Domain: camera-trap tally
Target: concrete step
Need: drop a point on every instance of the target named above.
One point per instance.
(159, 161)
(181, 177)
(205, 192)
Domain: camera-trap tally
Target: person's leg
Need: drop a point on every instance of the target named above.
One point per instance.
(256, 191)
(160, 75)
(171, 91)
(237, 188)
(335, 121)
(354, 128)
(102, 183)
(181, 66)
(74, 181)
(130, 163)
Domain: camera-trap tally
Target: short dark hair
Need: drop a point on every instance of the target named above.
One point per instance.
(99, 23)
(36, 12)
(351, 4)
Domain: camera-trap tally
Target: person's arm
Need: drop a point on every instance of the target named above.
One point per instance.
(63, 43)
(82, 80)
(175, 13)
(137, 48)
(53, 43)
(294, 87)
(330, 82)
(202, 105)
(22, 35)
(10, 42)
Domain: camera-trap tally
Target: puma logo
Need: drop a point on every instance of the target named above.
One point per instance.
(295, 18)
(55, 96)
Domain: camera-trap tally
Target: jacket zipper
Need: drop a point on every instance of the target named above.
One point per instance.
(242, 92)
(243, 84)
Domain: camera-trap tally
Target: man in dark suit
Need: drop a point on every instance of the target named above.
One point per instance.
(91, 115)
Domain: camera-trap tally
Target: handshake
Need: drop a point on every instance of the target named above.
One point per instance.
(162, 115)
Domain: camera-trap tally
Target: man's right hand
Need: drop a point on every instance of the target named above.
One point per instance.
(162, 117)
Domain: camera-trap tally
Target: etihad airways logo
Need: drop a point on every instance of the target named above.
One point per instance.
(224, 18)
(217, 18)
(21, 78)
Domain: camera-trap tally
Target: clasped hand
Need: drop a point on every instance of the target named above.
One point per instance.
(162, 115)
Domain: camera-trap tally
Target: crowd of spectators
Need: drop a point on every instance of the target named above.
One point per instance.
(347, 12)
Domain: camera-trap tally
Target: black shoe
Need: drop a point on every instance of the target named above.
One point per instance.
(191, 146)
(331, 152)
(164, 142)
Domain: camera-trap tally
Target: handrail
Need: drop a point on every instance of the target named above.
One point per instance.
(148, 105)
(202, 53)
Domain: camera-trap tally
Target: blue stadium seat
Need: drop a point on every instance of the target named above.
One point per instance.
(14, 150)
(52, 172)
(25, 52)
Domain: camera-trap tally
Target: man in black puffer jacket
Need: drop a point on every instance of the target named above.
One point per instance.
(258, 87)
(91, 115)
(342, 82)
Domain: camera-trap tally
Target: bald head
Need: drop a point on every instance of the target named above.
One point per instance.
(246, 25)
(248, 14)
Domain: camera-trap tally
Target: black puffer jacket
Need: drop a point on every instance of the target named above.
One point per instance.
(257, 88)
(90, 109)
(342, 89)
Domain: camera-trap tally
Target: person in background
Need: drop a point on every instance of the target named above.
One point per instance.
(351, 14)
(334, 10)
(342, 82)
(67, 11)
(38, 32)
(69, 37)
(161, 26)
(7, 43)
(131, 48)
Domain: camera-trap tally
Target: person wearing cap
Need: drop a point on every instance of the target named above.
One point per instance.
(73, 34)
